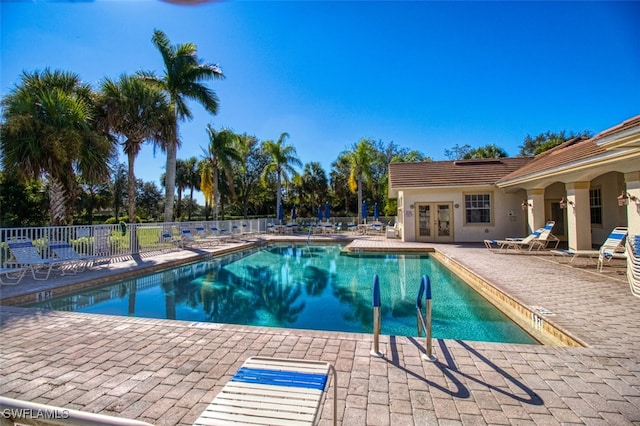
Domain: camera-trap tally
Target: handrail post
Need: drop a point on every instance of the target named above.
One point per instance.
(376, 317)
(425, 287)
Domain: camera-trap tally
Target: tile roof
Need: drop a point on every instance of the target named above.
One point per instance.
(627, 124)
(452, 173)
(573, 150)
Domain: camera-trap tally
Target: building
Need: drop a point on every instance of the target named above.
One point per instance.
(587, 186)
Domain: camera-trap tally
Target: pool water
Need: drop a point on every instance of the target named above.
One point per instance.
(304, 287)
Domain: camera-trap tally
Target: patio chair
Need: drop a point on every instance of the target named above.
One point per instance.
(219, 234)
(546, 237)
(64, 251)
(633, 264)
(270, 391)
(515, 243)
(612, 248)
(13, 276)
(26, 255)
(167, 239)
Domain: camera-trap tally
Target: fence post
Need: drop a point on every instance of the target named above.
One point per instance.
(376, 317)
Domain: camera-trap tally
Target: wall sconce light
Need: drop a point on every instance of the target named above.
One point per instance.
(411, 206)
(525, 205)
(563, 203)
(624, 197)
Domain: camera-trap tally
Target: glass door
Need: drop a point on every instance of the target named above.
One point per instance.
(434, 222)
(424, 222)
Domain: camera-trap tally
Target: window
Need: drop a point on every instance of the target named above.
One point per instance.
(477, 208)
(595, 205)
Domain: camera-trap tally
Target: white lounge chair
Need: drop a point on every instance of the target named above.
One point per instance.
(515, 243)
(12, 276)
(64, 251)
(272, 391)
(612, 248)
(26, 255)
(169, 241)
(633, 264)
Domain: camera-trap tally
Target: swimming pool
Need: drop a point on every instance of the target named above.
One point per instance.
(303, 286)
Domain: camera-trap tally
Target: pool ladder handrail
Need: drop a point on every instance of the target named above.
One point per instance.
(425, 322)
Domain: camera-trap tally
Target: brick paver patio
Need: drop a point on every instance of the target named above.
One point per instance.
(165, 372)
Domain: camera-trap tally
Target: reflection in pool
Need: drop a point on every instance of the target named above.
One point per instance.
(306, 287)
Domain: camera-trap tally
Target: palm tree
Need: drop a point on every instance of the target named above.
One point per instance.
(182, 182)
(360, 160)
(192, 181)
(183, 78)
(48, 131)
(219, 156)
(134, 113)
(283, 157)
(314, 181)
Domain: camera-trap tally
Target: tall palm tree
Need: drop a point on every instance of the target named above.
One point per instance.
(184, 75)
(282, 159)
(222, 151)
(135, 112)
(48, 131)
(360, 160)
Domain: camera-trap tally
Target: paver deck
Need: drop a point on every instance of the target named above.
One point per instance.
(165, 372)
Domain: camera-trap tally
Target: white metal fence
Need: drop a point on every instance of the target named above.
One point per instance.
(124, 240)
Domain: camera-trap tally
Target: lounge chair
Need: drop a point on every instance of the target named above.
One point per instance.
(270, 391)
(218, 234)
(168, 240)
(633, 264)
(515, 243)
(187, 239)
(612, 248)
(13, 276)
(64, 251)
(26, 255)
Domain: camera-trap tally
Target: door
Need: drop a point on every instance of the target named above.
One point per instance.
(433, 222)
(555, 213)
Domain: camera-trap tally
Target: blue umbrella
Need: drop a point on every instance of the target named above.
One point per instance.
(375, 211)
(327, 212)
(364, 210)
(294, 213)
(280, 212)
(319, 214)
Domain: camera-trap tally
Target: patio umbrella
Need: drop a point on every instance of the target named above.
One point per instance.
(319, 214)
(364, 210)
(294, 213)
(327, 211)
(280, 212)
(375, 211)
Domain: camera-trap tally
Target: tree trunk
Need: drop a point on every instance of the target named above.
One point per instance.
(170, 182)
(132, 189)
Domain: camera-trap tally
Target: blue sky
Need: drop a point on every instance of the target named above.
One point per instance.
(425, 75)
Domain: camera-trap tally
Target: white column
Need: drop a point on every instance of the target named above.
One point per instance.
(535, 200)
(578, 216)
(632, 181)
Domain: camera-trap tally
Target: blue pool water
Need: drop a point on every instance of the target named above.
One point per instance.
(306, 287)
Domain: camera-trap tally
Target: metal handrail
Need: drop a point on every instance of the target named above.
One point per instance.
(425, 287)
(33, 413)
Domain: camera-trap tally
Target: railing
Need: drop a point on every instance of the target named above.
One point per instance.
(116, 241)
(15, 411)
(424, 321)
